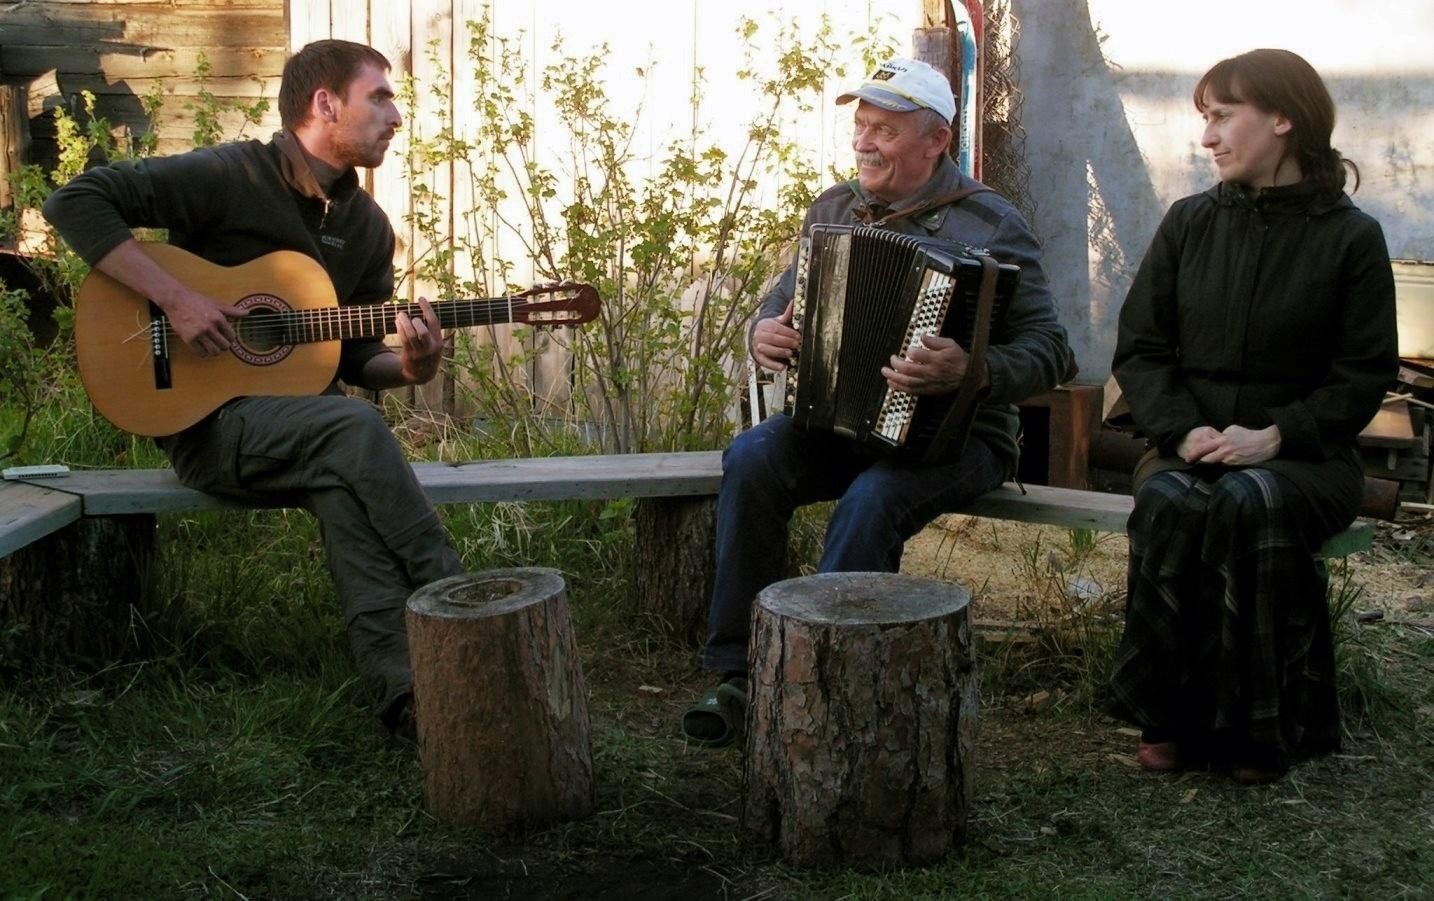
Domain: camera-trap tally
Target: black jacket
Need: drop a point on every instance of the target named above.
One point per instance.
(1260, 308)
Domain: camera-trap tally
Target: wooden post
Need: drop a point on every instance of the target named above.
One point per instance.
(72, 597)
(675, 563)
(500, 700)
(1073, 417)
(861, 719)
(14, 137)
(935, 43)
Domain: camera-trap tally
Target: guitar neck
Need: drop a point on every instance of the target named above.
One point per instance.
(377, 320)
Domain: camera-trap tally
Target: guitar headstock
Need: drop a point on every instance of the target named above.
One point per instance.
(558, 303)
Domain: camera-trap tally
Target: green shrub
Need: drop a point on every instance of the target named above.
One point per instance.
(679, 258)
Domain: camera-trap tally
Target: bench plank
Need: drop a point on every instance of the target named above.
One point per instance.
(1065, 507)
(113, 492)
(1073, 509)
(109, 492)
(29, 513)
(1357, 537)
(559, 478)
(604, 477)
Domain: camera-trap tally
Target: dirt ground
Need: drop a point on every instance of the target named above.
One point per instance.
(1019, 572)
(1014, 570)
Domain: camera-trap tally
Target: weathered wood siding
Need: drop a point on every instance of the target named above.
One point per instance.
(121, 50)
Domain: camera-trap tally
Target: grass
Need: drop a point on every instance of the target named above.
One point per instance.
(225, 755)
(180, 782)
(164, 780)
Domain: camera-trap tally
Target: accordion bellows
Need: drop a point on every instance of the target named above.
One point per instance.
(864, 294)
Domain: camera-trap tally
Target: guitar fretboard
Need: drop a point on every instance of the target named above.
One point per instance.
(370, 320)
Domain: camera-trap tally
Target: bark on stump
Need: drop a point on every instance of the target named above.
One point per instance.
(675, 563)
(77, 597)
(861, 720)
(500, 701)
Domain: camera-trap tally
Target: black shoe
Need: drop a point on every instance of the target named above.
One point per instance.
(398, 719)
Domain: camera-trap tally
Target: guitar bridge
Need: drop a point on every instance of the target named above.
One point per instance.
(159, 348)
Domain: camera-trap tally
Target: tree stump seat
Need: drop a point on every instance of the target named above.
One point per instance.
(861, 720)
(501, 705)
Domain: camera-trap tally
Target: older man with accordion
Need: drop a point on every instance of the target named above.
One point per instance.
(913, 318)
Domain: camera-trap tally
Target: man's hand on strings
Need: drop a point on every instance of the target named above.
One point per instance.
(774, 341)
(935, 365)
(420, 348)
(202, 323)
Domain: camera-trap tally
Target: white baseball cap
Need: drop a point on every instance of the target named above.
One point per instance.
(902, 85)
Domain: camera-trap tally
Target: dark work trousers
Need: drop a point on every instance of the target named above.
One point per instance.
(774, 468)
(335, 457)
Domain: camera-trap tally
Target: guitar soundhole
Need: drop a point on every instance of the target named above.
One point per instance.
(263, 334)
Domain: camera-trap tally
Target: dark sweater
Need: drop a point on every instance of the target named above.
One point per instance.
(232, 203)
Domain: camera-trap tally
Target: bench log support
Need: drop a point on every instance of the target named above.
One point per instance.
(675, 563)
(73, 595)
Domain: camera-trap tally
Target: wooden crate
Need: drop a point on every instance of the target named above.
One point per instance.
(1058, 427)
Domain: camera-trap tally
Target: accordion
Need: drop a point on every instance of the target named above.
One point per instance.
(865, 294)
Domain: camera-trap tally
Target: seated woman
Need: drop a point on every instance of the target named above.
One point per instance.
(1256, 342)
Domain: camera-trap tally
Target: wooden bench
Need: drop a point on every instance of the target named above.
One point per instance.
(1102, 512)
(31, 510)
(117, 492)
(70, 542)
(676, 493)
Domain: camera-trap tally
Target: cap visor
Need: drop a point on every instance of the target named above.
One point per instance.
(884, 99)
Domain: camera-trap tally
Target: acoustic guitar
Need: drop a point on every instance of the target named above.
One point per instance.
(145, 380)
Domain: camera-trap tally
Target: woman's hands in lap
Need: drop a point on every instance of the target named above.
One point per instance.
(1235, 446)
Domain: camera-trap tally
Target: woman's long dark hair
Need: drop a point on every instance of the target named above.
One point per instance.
(1278, 81)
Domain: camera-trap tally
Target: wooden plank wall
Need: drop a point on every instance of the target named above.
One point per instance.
(429, 39)
(120, 49)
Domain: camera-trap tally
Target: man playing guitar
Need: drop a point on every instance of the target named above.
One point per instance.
(330, 453)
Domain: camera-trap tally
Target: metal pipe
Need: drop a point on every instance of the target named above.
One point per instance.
(967, 112)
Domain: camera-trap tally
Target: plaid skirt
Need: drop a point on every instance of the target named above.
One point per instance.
(1227, 635)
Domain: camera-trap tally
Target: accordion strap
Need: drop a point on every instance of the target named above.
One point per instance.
(952, 197)
(951, 436)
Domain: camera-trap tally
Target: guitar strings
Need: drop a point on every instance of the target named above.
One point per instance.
(304, 326)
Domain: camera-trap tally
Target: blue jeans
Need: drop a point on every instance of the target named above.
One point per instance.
(771, 470)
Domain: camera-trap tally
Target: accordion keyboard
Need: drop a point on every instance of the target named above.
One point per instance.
(895, 414)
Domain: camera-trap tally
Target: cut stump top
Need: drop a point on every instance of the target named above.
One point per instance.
(859, 599)
(491, 592)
